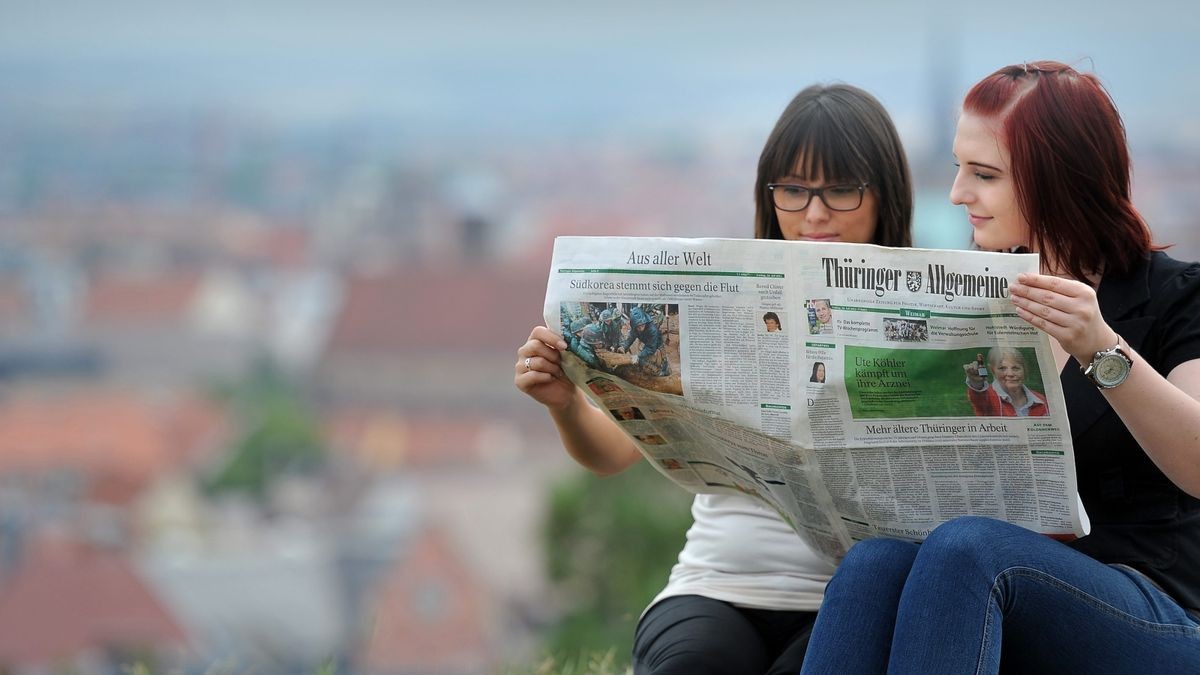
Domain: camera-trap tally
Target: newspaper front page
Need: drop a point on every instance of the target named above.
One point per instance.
(858, 390)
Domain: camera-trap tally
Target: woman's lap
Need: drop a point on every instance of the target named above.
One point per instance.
(694, 634)
(977, 585)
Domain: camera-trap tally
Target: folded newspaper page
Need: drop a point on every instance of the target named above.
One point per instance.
(858, 390)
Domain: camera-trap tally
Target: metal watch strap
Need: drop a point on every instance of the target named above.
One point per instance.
(1116, 350)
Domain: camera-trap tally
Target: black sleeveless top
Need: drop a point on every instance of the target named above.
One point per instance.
(1139, 517)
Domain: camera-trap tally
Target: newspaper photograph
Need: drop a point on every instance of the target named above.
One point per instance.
(857, 390)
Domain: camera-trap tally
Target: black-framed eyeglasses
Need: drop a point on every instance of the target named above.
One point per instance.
(791, 197)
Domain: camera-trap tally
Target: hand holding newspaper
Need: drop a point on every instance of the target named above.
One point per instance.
(858, 390)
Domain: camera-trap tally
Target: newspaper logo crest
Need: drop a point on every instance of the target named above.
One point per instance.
(913, 281)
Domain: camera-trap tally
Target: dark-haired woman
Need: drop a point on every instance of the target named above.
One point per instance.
(744, 594)
(818, 373)
(771, 321)
(1043, 166)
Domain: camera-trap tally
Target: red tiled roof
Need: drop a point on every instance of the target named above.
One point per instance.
(285, 247)
(118, 439)
(429, 613)
(157, 299)
(440, 310)
(66, 597)
(13, 301)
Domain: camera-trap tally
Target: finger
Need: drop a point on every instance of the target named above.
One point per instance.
(526, 381)
(1043, 296)
(1046, 312)
(524, 365)
(541, 365)
(1054, 329)
(529, 383)
(548, 336)
(1081, 309)
(537, 348)
(1068, 287)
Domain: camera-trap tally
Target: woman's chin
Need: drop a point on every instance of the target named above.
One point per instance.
(986, 243)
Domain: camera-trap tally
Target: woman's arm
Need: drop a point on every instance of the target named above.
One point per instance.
(593, 438)
(977, 391)
(1162, 413)
(590, 436)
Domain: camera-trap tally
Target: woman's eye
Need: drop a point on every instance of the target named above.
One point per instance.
(984, 176)
(842, 190)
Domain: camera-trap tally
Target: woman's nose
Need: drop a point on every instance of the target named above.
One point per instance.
(816, 212)
(959, 194)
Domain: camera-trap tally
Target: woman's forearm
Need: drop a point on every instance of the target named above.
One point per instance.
(592, 438)
(1163, 414)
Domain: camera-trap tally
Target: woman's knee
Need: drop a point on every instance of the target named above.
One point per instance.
(696, 635)
(881, 560)
(969, 540)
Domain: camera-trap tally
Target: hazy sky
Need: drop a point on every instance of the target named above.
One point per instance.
(540, 67)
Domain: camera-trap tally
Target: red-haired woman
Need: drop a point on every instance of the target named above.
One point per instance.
(1043, 166)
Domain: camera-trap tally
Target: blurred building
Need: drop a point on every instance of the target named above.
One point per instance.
(73, 606)
(158, 248)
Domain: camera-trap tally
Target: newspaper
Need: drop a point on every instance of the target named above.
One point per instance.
(847, 386)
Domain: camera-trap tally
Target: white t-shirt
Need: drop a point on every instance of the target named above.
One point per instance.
(743, 553)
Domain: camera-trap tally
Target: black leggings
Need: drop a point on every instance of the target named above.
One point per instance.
(695, 635)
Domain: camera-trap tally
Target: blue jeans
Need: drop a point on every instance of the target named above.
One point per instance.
(981, 593)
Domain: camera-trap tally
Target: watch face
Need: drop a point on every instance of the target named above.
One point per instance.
(1111, 370)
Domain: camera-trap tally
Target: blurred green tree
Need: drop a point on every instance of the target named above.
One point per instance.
(278, 433)
(610, 544)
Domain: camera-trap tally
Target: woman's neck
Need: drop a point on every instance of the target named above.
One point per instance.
(1052, 268)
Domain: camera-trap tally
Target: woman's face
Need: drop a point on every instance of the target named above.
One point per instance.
(817, 223)
(772, 325)
(824, 314)
(984, 185)
(1010, 373)
(820, 372)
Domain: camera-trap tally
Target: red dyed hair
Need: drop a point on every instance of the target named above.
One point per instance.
(1070, 165)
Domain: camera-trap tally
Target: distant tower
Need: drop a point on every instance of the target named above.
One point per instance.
(477, 195)
(944, 95)
(474, 237)
(54, 288)
(937, 223)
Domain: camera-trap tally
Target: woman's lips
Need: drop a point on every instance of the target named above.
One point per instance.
(819, 237)
(977, 220)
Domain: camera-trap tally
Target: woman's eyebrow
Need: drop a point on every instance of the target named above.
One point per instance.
(985, 166)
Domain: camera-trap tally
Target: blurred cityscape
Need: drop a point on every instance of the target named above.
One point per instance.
(256, 406)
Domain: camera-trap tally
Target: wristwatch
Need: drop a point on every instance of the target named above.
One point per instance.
(1109, 367)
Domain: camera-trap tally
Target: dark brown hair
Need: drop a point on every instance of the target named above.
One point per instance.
(1070, 165)
(843, 133)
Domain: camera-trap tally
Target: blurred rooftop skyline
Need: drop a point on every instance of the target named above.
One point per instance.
(476, 71)
(343, 214)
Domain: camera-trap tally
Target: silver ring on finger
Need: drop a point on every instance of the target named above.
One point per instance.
(527, 360)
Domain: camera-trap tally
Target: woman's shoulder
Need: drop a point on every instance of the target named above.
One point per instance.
(1173, 292)
(1171, 283)
(1163, 269)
